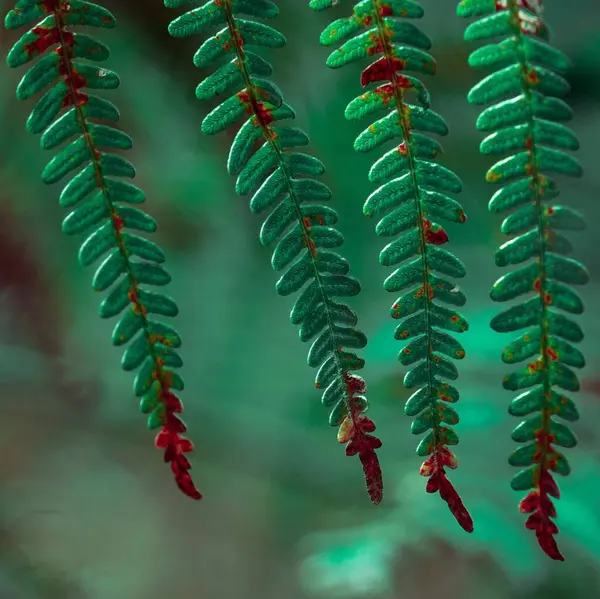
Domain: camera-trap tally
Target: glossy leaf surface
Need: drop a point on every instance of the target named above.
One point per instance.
(101, 203)
(525, 125)
(411, 199)
(282, 185)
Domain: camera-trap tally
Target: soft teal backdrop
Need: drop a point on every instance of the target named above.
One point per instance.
(88, 510)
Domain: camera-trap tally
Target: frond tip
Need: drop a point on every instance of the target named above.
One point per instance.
(102, 203)
(282, 181)
(411, 196)
(523, 122)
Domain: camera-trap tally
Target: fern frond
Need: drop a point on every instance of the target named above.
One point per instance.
(523, 122)
(412, 193)
(103, 205)
(299, 225)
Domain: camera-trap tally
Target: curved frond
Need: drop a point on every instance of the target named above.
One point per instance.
(299, 226)
(524, 127)
(80, 128)
(411, 197)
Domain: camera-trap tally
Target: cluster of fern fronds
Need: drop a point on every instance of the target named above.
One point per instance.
(411, 199)
(299, 226)
(81, 128)
(524, 125)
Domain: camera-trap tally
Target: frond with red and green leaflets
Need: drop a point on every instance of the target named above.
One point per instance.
(80, 127)
(524, 123)
(412, 193)
(282, 181)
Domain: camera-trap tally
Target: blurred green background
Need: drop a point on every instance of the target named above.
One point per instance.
(88, 510)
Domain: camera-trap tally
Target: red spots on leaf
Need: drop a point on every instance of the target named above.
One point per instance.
(309, 242)
(434, 234)
(547, 297)
(386, 10)
(46, 37)
(117, 221)
(383, 69)
(244, 98)
(264, 114)
(75, 99)
(51, 5)
(376, 46)
(354, 384)
(529, 143)
(402, 149)
(385, 92)
(532, 76)
(442, 458)
(136, 305)
(430, 292)
(404, 82)
(72, 78)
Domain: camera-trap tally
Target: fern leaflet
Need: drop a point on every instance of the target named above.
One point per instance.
(412, 191)
(282, 180)
(522, 121)
(103, 204)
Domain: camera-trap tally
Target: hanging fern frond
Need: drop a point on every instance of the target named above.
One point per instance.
(299, 225)
(523, 122)
(412, 193)
(103, 205)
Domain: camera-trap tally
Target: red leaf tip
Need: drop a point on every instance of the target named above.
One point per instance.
(373, 475)
(438, 481)
(541, 510)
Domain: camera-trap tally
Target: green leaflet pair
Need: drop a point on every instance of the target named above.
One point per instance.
(411, 198)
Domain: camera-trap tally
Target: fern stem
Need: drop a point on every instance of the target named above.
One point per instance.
(543, 440)
(448, 492)
(115, 219)
(528, 128)
(402, 109)
(163, 415)
(369, 461)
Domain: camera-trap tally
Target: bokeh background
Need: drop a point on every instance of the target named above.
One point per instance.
(88, 510)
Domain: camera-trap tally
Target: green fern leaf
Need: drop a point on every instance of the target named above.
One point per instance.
(281, 181)
(101, 204)
(524, 127)
(412, 193)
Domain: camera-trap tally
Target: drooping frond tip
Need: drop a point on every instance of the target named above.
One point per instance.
(411, 196)
(103, 205)
(299, 225)
(523, 123)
